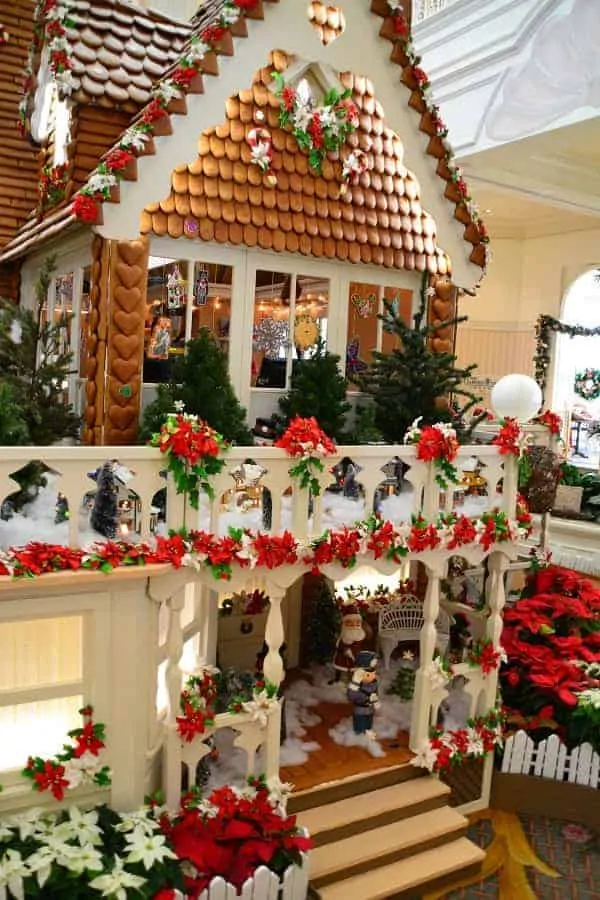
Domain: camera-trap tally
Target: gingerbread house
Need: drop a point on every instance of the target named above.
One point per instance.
(268, 170)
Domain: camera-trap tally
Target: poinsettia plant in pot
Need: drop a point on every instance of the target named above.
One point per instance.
(552, 641)
(233, 833)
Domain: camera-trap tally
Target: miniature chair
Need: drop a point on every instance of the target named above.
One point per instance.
(402, 621)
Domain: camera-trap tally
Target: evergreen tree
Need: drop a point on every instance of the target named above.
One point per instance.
(200, 379)
(35, 363)
(414, 380)
(317, 389)
(13, 427)
(104, 515)
(323, 624)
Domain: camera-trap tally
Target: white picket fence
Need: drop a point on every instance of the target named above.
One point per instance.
(551, 759)
(265, 885)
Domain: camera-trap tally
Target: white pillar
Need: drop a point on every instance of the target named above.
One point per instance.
(274, 638)
(173, 679)
(419, 728)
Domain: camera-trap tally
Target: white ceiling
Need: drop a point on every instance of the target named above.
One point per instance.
(543, 185)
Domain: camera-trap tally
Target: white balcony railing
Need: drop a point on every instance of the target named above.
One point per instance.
(424, 9)
(119, 641)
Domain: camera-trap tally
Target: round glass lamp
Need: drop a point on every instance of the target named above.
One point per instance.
(516, 397)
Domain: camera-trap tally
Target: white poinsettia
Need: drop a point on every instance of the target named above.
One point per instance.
(198, 51)
(80, 826)
(85, 859)
(116, 882)
(437, 674)
(134, 139)
(100, 182)
(148, 849)
(82, 769)
(40, 864)
(66, 82)
(167, 91)
(279, 791)
(426, 757)
(33, 822)
(261, 155)
(13, 871)
(260, 707)
(230, 15)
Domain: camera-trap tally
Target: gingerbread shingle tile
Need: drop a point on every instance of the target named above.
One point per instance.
(222, 196)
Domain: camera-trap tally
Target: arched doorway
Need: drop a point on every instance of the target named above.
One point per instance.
(580, 307)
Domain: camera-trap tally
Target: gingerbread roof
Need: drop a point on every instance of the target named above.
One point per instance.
(369, 211)
(18, 161)
(117, 53)
(222, 196)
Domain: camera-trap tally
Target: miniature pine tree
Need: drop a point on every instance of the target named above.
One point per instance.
(413, 380)
(318, 389)
(323, 625)
(403, 684)
(104, 515)
(200, 380)
(13, 427)
(35, 363)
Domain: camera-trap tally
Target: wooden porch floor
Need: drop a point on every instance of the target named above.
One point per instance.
(333, 762)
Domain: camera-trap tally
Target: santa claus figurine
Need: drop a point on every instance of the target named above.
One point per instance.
(350, 642)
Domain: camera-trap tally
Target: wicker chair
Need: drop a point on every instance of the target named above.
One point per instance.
(402, 621)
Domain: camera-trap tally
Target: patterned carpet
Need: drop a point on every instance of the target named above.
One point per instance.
(531, 858)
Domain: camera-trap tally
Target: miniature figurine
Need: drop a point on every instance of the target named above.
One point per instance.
(350, 642)
(362, 692)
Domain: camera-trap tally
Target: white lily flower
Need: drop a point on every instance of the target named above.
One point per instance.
(116, 882)
(147, 848)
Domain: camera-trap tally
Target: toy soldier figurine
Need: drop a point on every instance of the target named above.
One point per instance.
(350, 642)
(362, 692)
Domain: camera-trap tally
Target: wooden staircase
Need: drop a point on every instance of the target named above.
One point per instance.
(389, 834)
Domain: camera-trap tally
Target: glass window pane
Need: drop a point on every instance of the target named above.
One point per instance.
(310, 320)
(165, 317)
(40, 651)
(36, 729)
(270, 339)
(401, 301)
(212, 301)
(363, 328)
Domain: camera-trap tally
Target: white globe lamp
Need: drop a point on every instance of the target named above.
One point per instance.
(516, 397)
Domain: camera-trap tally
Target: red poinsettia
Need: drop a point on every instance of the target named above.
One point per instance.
(118, 159)
(552, 421)
(212, 34)
(508, 439)
(400, 25)
(484, 655)
(305, 440)
(463, 532)
(85, 208)
(246, 5)
(193, 450)
(153, 112)
(423, 536)
(233, 833)
(436, 444)
(275, 550)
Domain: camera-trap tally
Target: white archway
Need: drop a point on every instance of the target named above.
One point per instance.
(580, 306)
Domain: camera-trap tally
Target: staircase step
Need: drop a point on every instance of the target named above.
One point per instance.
(364, 783)
(336, 821)
(402, 880)
(381, 846)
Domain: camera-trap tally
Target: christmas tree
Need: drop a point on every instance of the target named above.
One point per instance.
(13, 427)
(414, 380)
(200, 380)
(323, 624)
(318, 389)
(403, 684)
(104, 515)
(35, 362)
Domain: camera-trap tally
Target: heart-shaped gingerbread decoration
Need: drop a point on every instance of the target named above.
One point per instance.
(121, 417)
(128, 299)
(124, 369)
(130, 276)
(127, 345)
(132, 252)
(124, 395)
(127, 322)
(328, 21)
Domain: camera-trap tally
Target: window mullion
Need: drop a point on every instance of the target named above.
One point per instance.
(292, 319)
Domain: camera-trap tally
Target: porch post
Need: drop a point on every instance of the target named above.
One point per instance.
(496, 598)
(419, 728)
(274, 638)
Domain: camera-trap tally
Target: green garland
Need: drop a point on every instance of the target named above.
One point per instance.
(545, 327)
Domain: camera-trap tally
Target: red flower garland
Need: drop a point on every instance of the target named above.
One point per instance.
(550, 420)
(437, 444)
(193, 450)
(197, 705)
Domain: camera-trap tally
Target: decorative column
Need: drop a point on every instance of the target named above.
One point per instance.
(274, 638)
(420, 724)
(510, 485)
(496, 599)
(175, 604)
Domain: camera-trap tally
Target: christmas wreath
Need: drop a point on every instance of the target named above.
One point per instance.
(587, 384)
